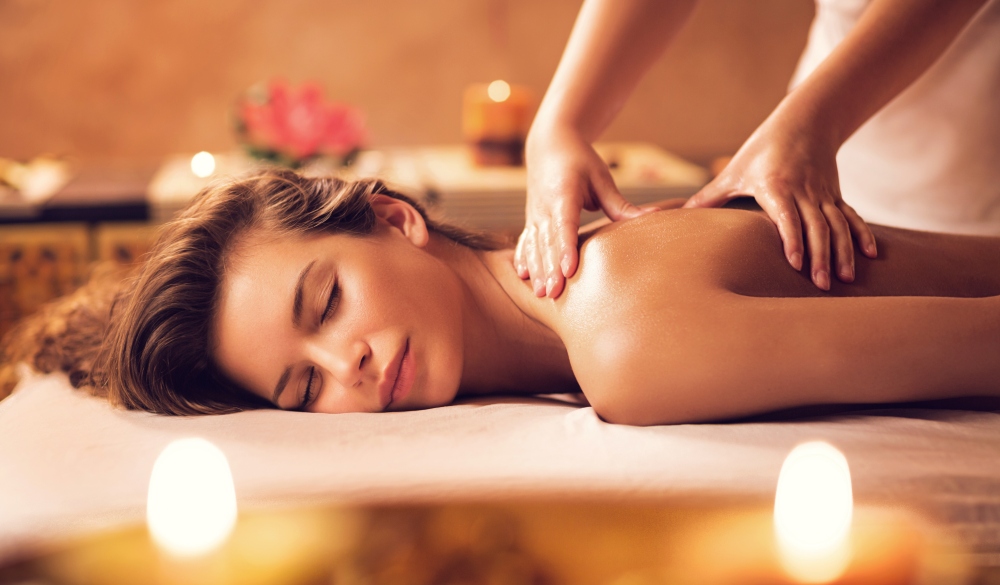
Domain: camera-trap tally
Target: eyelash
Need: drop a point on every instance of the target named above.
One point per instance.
(307, 397)
(331, 303)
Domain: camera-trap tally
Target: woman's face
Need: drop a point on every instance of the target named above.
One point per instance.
(338, 323)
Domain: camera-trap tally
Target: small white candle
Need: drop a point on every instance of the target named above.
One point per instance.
(498, 90)
(203, 164)
(191, 504)
(813, 507)
(495, 120)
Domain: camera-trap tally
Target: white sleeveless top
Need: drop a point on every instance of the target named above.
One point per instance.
(930, 159)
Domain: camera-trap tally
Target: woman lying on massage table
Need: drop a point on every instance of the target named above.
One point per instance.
(332, 296)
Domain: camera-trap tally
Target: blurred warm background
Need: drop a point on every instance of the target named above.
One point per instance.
(117, 88)
(119, 79)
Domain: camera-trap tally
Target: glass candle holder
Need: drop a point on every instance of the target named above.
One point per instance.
(495, 121)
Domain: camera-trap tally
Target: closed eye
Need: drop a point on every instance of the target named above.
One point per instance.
(331, 303)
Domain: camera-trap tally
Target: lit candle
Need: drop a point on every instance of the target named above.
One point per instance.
(814, 534)
(191, 503)
(203, 164)
(495, 122)
(813, 506)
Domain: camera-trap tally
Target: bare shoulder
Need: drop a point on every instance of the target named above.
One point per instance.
(677, 230)
(641, 288)
(673, 250)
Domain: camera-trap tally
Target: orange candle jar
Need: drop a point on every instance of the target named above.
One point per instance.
(495, 120)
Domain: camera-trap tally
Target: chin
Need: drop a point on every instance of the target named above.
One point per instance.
(443, 376)
(437, 394)
(440, 392)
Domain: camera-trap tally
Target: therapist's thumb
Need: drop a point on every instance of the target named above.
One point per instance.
(612, 203)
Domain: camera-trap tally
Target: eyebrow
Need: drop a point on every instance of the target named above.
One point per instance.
(296, 322)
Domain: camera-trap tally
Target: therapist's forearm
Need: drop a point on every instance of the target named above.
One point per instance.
(613, 44)
(892, 45)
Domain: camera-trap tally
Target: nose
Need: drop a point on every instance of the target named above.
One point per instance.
(344, 360)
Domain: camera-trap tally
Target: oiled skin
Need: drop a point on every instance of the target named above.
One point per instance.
(694, 315)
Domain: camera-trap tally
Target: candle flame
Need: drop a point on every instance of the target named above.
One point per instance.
(498, 91)
(191, 505)
(203, 164)
(813, 506)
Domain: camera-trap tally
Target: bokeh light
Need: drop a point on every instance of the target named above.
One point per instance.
(191, 505)
(813, 507)
(498, 90)
(203, 164)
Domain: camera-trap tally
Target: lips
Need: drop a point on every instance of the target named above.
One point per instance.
(407, 373)
(398, 377)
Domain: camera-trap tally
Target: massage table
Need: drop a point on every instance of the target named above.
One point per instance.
(70, 464)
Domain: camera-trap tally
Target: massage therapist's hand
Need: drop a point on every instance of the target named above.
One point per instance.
(565, 175)
(792, 173)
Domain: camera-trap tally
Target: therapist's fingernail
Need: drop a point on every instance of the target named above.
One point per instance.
(539, 287)
(564, 265)
(871, 250)
(822, 279)
(550, 283)
(796, 260)
(847, 273)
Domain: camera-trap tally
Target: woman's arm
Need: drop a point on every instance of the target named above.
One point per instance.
(892, 45)
(613, 44)
(789, 163)
(741, 355)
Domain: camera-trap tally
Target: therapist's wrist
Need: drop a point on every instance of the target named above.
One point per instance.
(820, 127)
(558, 119)
(543, 136)
(818, 109)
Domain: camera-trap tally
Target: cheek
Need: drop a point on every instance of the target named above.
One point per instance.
(452, 348)
(423, 288)
(437, 294)
(433, 302)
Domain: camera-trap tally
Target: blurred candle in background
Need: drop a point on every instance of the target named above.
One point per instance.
(495, 120)
(191, 504)
(813, 507)
(203, 164)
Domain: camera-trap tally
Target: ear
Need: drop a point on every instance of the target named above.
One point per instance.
(403, 217)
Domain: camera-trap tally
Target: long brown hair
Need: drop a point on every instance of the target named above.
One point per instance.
(144, 341)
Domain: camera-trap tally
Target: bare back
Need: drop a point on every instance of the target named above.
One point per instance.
(740, 251)
(695, 299)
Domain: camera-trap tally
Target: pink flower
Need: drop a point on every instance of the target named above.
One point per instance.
(299, 124)
(345, 129)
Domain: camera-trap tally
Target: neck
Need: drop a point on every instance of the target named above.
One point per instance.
(509, 344)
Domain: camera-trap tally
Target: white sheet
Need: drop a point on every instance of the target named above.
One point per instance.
(70, 463)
